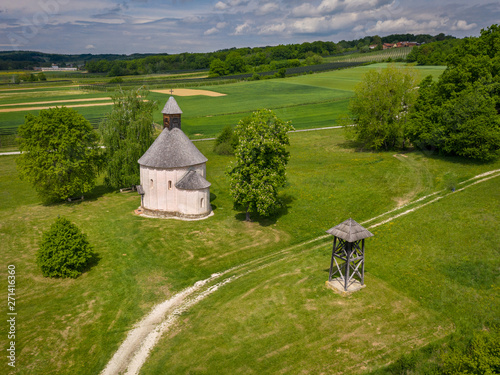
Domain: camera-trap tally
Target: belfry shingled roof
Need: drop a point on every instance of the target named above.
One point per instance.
(172, 149)
(171, 107)
(349, 231)
(192, 181)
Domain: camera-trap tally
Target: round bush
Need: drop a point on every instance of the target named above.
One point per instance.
(65, 251)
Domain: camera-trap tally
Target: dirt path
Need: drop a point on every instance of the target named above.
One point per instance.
(189, 92)
(134, 351)
(58, 101)
(47, 107)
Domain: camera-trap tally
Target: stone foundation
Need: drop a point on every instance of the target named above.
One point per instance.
(337, 286)
(156, 214)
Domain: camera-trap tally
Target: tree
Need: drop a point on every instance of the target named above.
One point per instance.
(64, 251)
(226, 142)
(459, 114)
(127, 132)
(234, 63)
(261, 160)
(217, 68)
(380, 107)
(60, 154)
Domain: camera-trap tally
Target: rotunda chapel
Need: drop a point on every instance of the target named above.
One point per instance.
(173, 173)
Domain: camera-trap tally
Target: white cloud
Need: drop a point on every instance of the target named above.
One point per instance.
(463, 25)
(324, 8)
(272, 29)
(211, 31)
(242, 29)
(221, 6)
(310, 25)
(267, 8)
(328, 6)
(406, 25)
(89, 46)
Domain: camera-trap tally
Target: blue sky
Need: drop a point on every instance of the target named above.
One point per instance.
(142, 26)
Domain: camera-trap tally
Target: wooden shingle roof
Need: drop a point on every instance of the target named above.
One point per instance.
(349, 231)
(192, 181)
(172, 149)
(171, 107)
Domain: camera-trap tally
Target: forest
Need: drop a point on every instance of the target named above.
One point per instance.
(120, 64)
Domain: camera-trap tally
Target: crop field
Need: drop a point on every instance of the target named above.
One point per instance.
(374, 56)
(309, 101)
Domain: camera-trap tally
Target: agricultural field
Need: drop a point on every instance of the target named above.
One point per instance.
(309, 101)
(253, 294)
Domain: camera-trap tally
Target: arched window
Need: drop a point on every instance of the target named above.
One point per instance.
(170, 185)
(202, 203)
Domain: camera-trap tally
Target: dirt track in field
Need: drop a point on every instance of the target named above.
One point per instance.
(57, 101)
(189, 92)
(47, 107)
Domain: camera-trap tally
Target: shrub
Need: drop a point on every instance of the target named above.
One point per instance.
(65, 250)
(226, 142)
(480, 356)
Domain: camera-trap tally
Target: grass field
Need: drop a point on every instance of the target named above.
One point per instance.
(425, 279)
(308, 101)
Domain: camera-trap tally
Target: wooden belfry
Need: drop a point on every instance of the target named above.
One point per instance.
(348, 253)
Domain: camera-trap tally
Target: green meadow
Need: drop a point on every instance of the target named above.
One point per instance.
(432, 275)
(425, 281)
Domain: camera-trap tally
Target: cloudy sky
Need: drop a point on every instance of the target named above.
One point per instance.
(142, 26)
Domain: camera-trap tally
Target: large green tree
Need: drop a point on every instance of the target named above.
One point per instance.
(380, 107)
(261, 159)
(459, 114)
(127, 132)
(60, 154)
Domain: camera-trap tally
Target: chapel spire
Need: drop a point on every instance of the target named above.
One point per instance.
(171, 114)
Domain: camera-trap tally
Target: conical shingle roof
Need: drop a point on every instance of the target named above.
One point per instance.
(192, 181)
(171, 107)
(349, 231)
(172, 149)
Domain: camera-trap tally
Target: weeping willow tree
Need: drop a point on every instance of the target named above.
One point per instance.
(127, 132)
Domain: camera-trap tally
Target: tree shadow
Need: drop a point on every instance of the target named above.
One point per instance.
(213, 197)
(285, 202)
(93, 195)
(92, 262)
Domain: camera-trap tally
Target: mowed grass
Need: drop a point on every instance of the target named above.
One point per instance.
(75, 326)
(427, 274)
(309, 101)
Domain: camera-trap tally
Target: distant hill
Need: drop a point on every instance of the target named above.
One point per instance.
(31, 59)
(14, 60)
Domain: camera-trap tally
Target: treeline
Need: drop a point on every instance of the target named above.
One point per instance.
(17, 60)
(120, 64)
(237, 59)
(435, 53)
(243, 60)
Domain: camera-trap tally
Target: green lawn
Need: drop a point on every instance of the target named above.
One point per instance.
(278, 317)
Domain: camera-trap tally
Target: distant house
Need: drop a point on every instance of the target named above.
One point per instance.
(399, 45)
(373, 46)
(56, 68)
